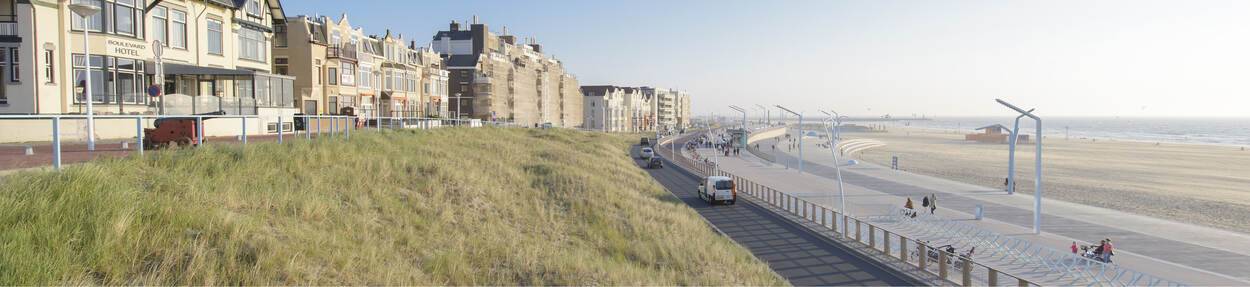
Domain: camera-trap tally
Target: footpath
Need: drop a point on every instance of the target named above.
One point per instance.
(1192, 255)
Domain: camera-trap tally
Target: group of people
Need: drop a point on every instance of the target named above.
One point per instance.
(1101, 252)
(929, 201)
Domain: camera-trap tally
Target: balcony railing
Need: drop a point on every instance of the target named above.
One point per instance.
(342, 52)
(7, 28)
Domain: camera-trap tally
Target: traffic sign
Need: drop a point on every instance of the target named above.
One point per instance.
(154, 90)
(156, 48)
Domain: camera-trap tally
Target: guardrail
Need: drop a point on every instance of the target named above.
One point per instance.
(348, 123)
(928, 256)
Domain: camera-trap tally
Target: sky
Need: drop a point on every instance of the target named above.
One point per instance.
(876, 57)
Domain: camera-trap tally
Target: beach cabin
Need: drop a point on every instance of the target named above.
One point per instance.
(995, 133)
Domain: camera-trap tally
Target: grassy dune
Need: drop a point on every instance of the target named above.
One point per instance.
(481, 206)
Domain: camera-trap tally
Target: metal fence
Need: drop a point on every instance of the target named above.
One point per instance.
(1029, 264)
(336, 123)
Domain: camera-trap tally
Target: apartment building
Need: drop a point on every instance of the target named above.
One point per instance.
(340, 70)
(215, 57)
(663, 107)
(604, 108)
(683, 109)
(495, 77)
(433, 86)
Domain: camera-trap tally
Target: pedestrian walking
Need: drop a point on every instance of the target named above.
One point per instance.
(1107, 250)
(1074, 249)
(924, 202)
(932, 203)
(911, 209)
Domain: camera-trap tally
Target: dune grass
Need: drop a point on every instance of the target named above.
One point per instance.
(483, 206)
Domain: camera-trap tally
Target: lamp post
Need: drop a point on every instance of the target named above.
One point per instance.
(835, 125)
(744, 124)
(800, 135)
(765, 114)
(86, 11)
(1037, 180)
(1011, 155)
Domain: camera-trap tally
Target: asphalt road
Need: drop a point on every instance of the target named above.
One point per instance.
(801, 257)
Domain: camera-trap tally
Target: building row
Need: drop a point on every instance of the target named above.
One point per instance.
(635, 109)
(248, 57)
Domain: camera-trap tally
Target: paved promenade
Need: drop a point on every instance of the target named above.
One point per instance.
(1146, 244)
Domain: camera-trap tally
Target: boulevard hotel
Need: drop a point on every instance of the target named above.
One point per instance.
(215, 54)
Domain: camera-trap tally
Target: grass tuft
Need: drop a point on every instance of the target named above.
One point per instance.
(482, 206)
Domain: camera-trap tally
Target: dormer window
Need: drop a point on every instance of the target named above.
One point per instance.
(253, 8)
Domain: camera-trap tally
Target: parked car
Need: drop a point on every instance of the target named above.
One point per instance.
(655, 163)
(717, 189)
(646, 153)
(645, 141)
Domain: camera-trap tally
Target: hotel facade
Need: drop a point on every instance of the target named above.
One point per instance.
(215, 55)
(210, 49)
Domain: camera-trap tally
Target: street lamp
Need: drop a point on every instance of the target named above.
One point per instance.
(1037, 180)
(835, 123)
(744, 123)
(765, 114)
(800, 135)
(86, 11)
(1011, 155)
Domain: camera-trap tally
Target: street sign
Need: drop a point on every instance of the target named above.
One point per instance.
(156, 48)
(154, 90)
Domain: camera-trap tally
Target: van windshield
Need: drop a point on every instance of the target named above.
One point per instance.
(724, 184)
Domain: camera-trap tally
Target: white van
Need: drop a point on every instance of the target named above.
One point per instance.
(646, 153)
(714, 189)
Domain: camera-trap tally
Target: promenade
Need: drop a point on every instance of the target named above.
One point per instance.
(1185, 253)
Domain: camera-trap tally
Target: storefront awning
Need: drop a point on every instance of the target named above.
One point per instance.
(183, 69)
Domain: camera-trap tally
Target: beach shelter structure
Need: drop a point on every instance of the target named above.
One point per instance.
(995, 133)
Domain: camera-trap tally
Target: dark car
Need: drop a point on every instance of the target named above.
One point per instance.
(645, 141)
(655, 163)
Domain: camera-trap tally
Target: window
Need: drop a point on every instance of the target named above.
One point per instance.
(119, 17)
(335, 39)
(348, 78)
(95, 22)
(160, 24)
(47, 66)
(333, 105)
(280, 66)
(178, 29)
(124, 17)
(15, 74)
(388, 80)
(252, 8)
(426, 88)
(365, 80)
(252, 45)
(333, 74)
(279, 36)
(214, 36)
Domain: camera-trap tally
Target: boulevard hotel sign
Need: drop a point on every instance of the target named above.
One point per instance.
(127, 49)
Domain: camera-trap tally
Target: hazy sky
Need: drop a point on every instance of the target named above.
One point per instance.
(868, 58)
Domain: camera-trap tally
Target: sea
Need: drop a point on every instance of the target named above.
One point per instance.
(1213, 131)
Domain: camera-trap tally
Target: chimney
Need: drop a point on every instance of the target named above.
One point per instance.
(474, 19)
(454, 26)
(505, 30)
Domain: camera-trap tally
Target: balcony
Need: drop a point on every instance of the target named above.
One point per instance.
(342, 52)
(8, 25)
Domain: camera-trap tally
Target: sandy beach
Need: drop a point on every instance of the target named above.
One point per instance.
(1202, 184)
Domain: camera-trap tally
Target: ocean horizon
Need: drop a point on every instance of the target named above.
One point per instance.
(1232, 131)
